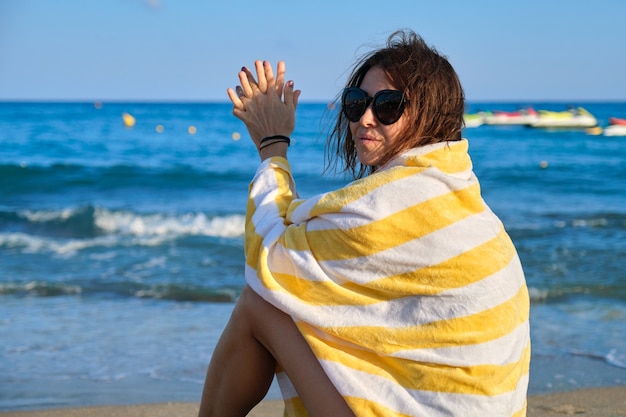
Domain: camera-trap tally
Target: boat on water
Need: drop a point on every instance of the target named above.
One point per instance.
(616, 127)
(572, 118)
(474, 119)
(617, 121)
(525, 116)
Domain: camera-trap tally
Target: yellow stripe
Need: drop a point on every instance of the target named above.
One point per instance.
(253, 240)
(477, 379)
(285, 194)
(451, 158)
(394, 230)
(484, 326)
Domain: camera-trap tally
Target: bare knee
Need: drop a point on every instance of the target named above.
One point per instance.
(249, 298)
(267, 323)
(255, 309)
(250, 304)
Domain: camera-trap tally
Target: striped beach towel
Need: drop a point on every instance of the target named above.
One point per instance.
(405, 285)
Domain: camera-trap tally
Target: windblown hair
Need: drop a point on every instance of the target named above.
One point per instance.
(435, 96)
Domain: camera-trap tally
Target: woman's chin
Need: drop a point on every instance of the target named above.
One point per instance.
(368, 158)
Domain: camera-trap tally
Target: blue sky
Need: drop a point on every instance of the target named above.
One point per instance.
(532, 50)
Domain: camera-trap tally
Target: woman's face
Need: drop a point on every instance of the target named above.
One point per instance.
(372, 139)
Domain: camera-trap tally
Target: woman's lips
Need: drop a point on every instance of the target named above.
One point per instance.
(367, 139)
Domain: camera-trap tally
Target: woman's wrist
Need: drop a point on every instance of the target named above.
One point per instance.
(275, 145)
(270, 140)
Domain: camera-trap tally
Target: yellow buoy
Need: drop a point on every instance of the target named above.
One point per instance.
(544, 164)
(192, 130)
(236, 136)
(129, 120)
(159, 129)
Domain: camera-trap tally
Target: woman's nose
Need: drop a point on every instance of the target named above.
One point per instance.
(368, 117)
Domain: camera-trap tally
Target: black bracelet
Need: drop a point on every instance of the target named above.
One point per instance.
(285, 139)
(276, 140)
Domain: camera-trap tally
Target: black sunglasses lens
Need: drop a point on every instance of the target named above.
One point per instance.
(354, 103)
(388, 106)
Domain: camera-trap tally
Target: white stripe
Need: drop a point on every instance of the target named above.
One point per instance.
(424, 403)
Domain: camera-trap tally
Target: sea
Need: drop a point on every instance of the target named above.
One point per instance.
(121, 247)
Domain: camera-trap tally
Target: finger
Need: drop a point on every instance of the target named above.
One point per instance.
(251, 80)
(280, 77)
(235, 98)
(291, 95)
(245, 83)
(269, 74)
(288, 90)
(261, 75)
(296, 98)
(240, 93)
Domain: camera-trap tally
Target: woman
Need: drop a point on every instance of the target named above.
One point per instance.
(400, 294)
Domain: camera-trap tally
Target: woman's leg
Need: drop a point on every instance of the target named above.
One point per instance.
(258, 336)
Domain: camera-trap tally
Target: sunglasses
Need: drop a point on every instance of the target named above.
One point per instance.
(387, 105)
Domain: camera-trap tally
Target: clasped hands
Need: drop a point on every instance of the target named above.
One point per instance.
(266, 105)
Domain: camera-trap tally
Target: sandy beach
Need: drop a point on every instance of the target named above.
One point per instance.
(593, 402)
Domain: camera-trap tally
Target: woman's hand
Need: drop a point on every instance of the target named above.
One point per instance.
(267, 105)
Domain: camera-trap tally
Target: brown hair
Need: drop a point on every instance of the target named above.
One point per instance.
(435, 105)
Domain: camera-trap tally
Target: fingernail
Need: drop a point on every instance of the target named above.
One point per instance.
(290, 84)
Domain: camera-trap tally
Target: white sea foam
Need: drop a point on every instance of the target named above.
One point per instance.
(142, 224)
(40, 216)
(129, 223)
(64, 247)
(120, 228)
(616, 358)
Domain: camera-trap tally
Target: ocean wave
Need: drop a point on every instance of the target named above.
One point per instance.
(159, 224)
(68, 230)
